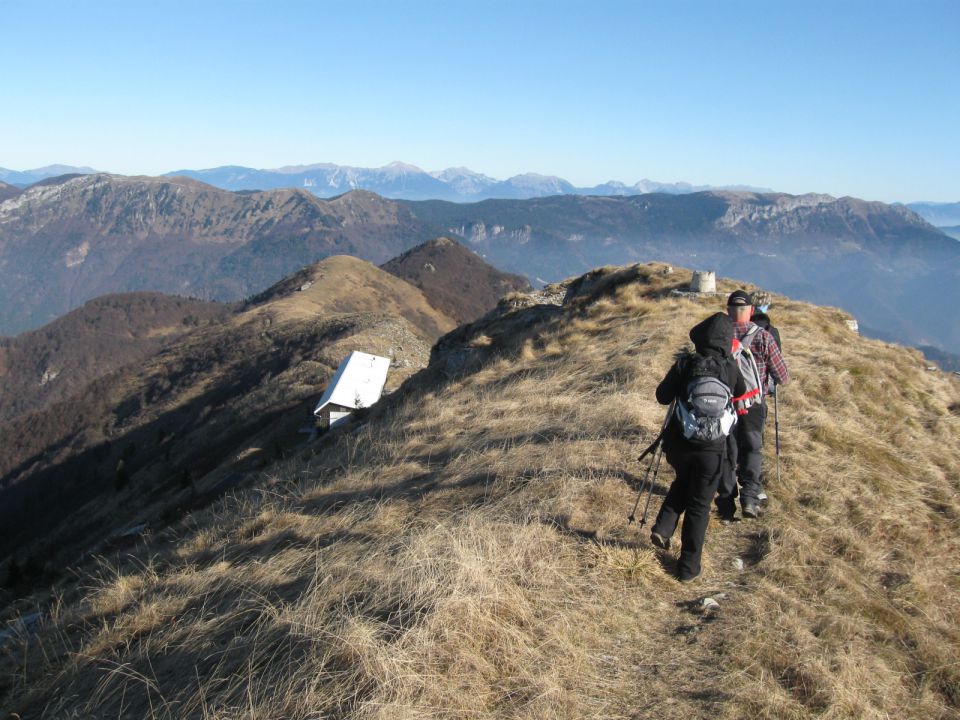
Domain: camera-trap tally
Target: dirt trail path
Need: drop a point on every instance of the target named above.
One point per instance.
(669, 640)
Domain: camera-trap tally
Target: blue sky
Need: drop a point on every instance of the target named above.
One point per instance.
(848, 98)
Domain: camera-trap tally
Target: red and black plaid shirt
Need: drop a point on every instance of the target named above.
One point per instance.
(765, 352)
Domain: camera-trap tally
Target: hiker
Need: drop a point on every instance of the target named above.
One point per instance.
(695, 442)
(769, 368)
(761, 304)
(727, 492)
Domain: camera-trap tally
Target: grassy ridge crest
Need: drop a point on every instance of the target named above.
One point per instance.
(463, 553)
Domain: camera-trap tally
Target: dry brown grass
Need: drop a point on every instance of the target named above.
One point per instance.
(466, 555)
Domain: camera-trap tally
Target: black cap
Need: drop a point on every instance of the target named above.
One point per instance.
(739, 298)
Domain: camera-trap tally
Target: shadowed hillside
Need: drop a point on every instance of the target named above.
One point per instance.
(49, 364)
(141, 443)
(8, 191)
(464, 553)
(455, 280)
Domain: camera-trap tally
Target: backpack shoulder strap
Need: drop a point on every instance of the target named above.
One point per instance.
(751, 373)
(749, 334)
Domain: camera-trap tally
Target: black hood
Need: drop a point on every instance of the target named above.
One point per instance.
(713, 336)
(761, 319)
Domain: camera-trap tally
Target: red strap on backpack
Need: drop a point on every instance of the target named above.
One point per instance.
(745, 396)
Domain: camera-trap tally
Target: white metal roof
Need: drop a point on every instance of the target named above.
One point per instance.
(357, 383)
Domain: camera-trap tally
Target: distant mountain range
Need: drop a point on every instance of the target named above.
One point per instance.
(953, 232)
(29, 177)
(402, 181)
(408, 182)
(397, 180)
(939, 214)
(883, 263)
(65, 241)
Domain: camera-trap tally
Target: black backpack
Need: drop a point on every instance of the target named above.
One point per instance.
(704, 408)
(763, 320)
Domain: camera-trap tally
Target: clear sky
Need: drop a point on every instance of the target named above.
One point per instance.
(848, 98)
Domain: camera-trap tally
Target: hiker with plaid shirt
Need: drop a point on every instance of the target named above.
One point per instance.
(749, 428)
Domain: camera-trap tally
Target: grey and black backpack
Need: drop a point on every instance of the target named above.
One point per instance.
(704, 407)
(749, 370)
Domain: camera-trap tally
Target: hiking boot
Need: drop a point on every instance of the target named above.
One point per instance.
(726, 510)
(686, 577)
(750, 510)
(660, 541)
(762, 498)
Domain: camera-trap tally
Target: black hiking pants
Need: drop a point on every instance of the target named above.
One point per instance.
(698, 475)
(749, 430)
(726, 499)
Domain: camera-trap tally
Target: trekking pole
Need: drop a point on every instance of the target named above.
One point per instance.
(631, 518)
(651, 448)
(653, 481)
(776, 428)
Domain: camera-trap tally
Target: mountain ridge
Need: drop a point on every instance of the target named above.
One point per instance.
(29, 177)
(867, 257)
(68, 240)
(8, 191)
(462, 550)
(454, 279)
(944, 214)
(399, 180)
(158, 383)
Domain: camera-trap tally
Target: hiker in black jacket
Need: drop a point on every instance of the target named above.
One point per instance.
(698, 464)
(761, 303)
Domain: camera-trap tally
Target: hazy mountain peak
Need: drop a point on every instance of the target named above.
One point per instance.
(941, 214)
(61, 170)
(459, 172)
(29, 177)
(401, 167)
(294, 169)
(537, 184)
(536, 177)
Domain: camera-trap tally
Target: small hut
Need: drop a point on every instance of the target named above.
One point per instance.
(358, 383)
